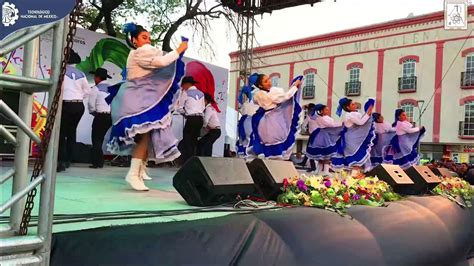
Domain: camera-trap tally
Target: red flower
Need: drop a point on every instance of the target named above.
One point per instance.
(346, 197)
(367, 197)
(336, 199)
(285, 183)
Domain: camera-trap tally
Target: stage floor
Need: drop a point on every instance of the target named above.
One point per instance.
(82, 190)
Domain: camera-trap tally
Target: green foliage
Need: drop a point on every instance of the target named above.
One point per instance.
(159, 14)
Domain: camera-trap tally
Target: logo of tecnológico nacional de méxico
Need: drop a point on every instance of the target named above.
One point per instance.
(9, 14)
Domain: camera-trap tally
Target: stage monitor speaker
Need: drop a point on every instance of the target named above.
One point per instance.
(393, 175)
(268, 175)
(424, 179)
(208, 181)
(442, 172)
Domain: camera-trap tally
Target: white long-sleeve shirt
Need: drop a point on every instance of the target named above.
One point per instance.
(211, 118)
(248, 108)
(355, 118)
(191, 102)
(75, 86)
(405, 127)
(97, 103)
(381, 128)
(269, 100)
(144, 59)
(326, 121)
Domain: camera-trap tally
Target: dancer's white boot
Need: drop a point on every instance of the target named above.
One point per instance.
(143, 172)
(133, 176)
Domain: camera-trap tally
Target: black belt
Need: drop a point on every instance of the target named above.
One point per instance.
(103, 113)
(73, 101)
(194, 115)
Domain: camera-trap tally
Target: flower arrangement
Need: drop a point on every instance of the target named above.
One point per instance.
(336, 193)
(453, 187)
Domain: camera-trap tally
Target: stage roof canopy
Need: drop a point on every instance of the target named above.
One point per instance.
(263, 6)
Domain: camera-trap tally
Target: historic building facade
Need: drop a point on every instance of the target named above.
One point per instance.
(412, 63)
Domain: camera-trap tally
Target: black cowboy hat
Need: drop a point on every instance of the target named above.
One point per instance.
(188, 79)
(74, 58)
(101, 73)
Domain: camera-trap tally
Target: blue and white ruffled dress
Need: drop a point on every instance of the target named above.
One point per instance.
(323, 141)
(244, 126)
(354, 145)
(403, 149)
(144, 104)
(274, 130)
(383, 136)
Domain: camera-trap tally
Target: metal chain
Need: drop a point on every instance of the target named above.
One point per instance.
(39, 163)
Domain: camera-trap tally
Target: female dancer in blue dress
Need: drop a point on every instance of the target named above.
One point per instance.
(247, 109)
(403, 149)
(356, 137)
(384, 132)
(275, 123)
(141, 109)
(322, 143)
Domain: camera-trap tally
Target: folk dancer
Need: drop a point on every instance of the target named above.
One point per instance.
(100, 109)
(384, 132)
(323, 141)
(357, 137)
(191, 105)
(141, 110)
(75, 90)
(275, 123)
(212, 127)
(403, 148)
(247, 108)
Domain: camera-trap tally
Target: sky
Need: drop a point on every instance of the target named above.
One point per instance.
(305, 21)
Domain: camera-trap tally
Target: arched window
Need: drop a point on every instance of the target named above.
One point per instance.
(468, 76)
(309, 83)
(467, 126)
(353, 86)
(407, 82)
(409, 110)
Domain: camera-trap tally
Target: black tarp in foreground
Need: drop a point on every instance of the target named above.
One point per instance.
(416, 231)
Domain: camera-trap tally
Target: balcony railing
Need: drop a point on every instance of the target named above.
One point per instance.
(467, 79)
(407, 84)
(353, 88)
(308, 92)
(466, 129)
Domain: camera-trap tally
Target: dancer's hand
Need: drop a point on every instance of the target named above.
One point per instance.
(182, 47)
(297, 83)
(369, 111)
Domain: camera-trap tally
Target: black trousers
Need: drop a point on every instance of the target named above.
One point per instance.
(70, 116)
(206, 142)
(191, 132)
(100, 125)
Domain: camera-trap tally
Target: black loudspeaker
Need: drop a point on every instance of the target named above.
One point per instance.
(442, 172)
(424, 179)
(394, 176)
(268, 175)
(208, 181)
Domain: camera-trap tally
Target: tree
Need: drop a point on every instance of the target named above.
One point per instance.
(164, 17)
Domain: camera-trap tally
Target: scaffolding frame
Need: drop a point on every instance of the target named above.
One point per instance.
(32, 248)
